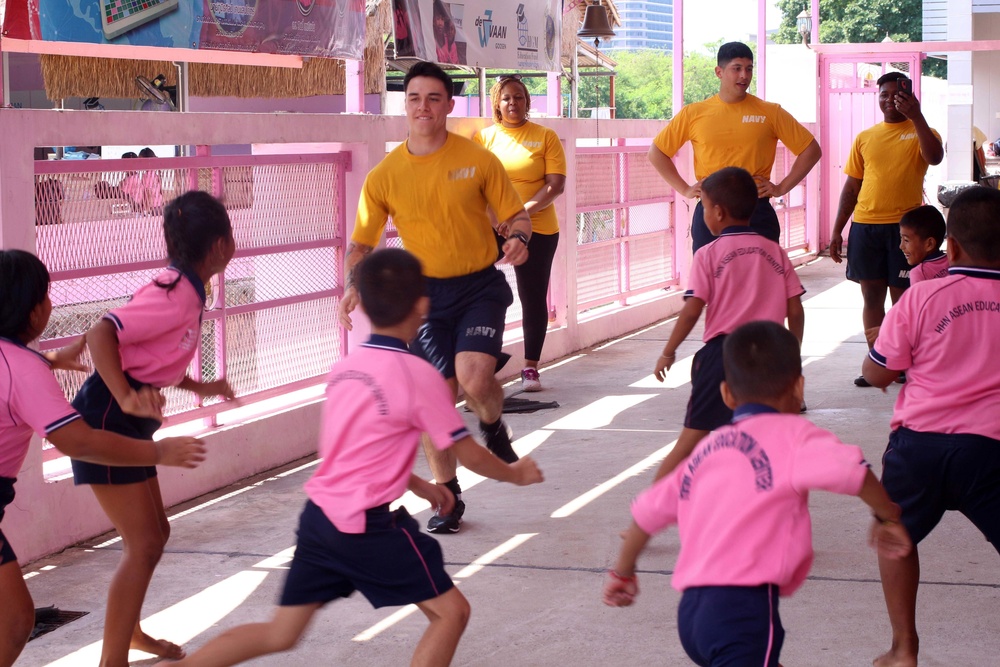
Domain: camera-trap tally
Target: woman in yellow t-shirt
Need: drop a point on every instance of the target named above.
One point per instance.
(534, 159)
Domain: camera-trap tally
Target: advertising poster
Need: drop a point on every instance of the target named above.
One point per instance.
(316, 28)
(497, 34)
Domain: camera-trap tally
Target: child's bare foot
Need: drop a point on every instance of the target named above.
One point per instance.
(896, 657)
(161, 648)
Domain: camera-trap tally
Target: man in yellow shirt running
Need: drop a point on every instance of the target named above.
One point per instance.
(436, 187)
(885, 179)
(734, 129)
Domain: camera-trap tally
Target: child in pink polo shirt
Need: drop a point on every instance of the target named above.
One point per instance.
(739, 277)
(921, 233)
(378, 402)
(944, 449)
(741, 505)
(139, 348)
(32, 402)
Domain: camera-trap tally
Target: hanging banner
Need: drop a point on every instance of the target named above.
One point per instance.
(317, 28)
(497, 34)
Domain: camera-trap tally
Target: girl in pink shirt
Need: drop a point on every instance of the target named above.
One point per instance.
(32, 402)
(139, 348)
(741, 505)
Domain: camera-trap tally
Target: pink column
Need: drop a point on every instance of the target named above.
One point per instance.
(354, 88)
(760, 67)
(553, 98)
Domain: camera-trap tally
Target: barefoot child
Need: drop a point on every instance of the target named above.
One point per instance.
(378, 402)
(31, 401)
(944, 449)
(145, 345)
(741, 505)
(740, 276)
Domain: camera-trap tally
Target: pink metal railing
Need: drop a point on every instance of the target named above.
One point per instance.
(624, 226)
(270, 324)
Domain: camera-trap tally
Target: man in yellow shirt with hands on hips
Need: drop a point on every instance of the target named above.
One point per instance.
(734, 129)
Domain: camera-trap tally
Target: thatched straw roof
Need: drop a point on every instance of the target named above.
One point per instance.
(72, 76)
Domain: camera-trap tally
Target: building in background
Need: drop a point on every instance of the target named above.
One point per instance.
(646, 24)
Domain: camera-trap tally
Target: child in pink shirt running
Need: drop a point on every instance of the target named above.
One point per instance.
(741, 505)
(944, 448)
(737, 278)
(378, 402)
(138, 348)
(31, 401)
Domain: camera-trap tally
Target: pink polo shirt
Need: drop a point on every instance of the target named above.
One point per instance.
(741, 500)
(935, 265)
(943, 333)
(742, 276)
(159, 330)
(30, 401)
(378, 402)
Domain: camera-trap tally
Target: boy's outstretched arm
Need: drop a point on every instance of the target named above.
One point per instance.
(481, 461)
(888, 536)
(878, 376)
(686, 319)
(621, 585)
(796, 318)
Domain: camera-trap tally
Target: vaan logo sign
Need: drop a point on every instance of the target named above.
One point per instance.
(489, 30)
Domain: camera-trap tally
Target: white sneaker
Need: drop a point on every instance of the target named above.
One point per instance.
(529, 380)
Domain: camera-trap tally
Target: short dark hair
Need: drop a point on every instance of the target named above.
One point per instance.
(24, 282)
(762, 361)
(972, 221)
(429, 70)
(731, 50)
(390, 282)
(890, 76)
(733, 189)
(926, 222)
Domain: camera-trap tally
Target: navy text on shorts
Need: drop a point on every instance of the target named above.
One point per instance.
(873, 254)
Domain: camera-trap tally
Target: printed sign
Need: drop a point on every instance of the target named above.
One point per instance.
(497, 34)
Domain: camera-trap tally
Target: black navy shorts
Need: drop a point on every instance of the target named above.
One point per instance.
(100, 410)
(873, 254)
(928, 474)
(764, 221)
(392, 563)
(468, 314)
(7, 554)
(731, 626)
(706, 410)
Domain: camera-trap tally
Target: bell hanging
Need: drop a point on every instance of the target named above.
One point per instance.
(595, 23)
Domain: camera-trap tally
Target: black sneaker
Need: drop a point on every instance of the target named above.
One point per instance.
(860, 381)
(450, 523)
(499, 443)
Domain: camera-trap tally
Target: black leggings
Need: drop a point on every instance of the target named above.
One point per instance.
(533, 289)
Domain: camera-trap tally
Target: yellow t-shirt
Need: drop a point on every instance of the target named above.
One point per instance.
(886, 158)
(743, 134)
(528, 153)
(438, 204)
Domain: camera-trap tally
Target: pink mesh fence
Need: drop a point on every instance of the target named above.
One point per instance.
(624, 227)
(270, 324)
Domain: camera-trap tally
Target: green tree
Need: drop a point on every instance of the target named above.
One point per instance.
(860, 21)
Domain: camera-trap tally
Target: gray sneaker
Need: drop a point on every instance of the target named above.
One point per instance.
(450, 523)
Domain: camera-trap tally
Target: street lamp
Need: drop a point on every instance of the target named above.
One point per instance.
(804, 24)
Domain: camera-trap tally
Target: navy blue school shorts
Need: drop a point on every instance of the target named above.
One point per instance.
(873, 254)
(467, 314)
(928, 474)
(392, 563)
(764, 221)
(731, 626)
(100, 410)
(706, 410)
(7, 554)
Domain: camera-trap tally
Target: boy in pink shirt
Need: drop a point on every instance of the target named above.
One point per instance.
(739, 277)
(741, 505)
(378, 402)
(944, 449)
(921, 233)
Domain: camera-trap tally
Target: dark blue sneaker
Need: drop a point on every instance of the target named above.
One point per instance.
(450, 523)
(499, 443)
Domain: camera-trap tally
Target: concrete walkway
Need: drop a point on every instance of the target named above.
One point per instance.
(531, 560)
